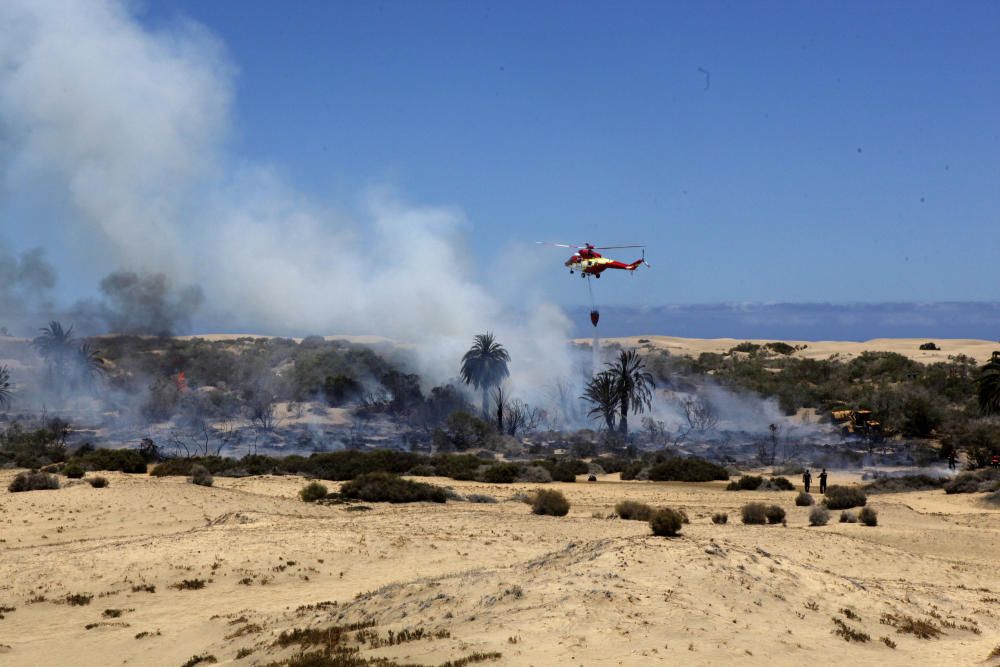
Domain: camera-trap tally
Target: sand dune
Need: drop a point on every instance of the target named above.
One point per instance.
(980, 350)
(583, 589)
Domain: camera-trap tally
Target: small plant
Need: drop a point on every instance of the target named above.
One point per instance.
(850, 613)
(754, 513)
(189, 585)
(312, 492)
(201, 476)
(480, 498)
(720, 518)
(888, 642)
(849, 633)
(819, 516)
(804, 499)
(868, 516)
(774, 514)
(79, 599)
(666, 522)
(844, 497)
(33, 480)
(144, 588)
(631, 510)
(74, 471)
(912, 626)
(206, 659)
(98, 482)
(781, 484)
(848, 517)
(550, 502)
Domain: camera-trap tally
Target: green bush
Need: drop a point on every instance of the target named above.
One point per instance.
(124, 460)
(666, 522)
(73, 471)
(501, 473)
(868, 516)
(384, 487)
(33, 480)
(549, 502)
(905, 483)
(201, 476)
(720, 518)
(844, 497)
(423, 470)
(781, 484)
(819, 516)
(631, 510)
(630, 471)
(774, 514)
(754, 513)
(312, 492)
(804, 499)
(691, 469)
(98, 482)
(746, 483)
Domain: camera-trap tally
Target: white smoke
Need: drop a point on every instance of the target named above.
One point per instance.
(129, 126)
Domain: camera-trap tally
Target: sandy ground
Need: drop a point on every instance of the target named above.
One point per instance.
(582, 589)
(980, 350)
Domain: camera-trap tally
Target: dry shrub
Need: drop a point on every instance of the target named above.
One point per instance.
(804, 499)
(844, 497)
(79, 599)
(666, 522)
(534, 475)
(312, 492)
(868, 516)
(720, 518)
(481, 498)
(848, 517)
(201, 476)
(848, 633)
(74, 471)
(754, 513)
(550, 502)
(819, 516)
(33, 480)
(98, 482)
(911, 626)
(632, 510)
(774, 514)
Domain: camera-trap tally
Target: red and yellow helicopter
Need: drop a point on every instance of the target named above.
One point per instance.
(589, 262)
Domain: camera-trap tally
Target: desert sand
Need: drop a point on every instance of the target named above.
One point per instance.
(585, 589)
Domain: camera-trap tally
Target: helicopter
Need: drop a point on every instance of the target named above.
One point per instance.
(588, 262)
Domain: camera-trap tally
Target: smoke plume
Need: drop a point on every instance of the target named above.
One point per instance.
(128, 126)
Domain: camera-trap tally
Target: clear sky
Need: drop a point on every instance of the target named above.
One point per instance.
(765, 151)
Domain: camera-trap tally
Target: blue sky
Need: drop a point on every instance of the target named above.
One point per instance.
(765, 151)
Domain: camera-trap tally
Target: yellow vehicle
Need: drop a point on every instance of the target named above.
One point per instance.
(858, 422)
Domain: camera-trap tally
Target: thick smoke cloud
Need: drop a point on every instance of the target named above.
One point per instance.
(128, 126)
(26, 281)
(140, 304)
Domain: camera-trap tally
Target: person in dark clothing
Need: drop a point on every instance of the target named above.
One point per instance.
(995, 461)
(822, 481)
(952, 460)
(807, 479)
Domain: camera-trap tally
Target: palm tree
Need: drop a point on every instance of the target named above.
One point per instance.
(635, 386)
(6, 392)
(89, 364)
(55, 344)
(484, 366)
(602, 392)
(989, 386)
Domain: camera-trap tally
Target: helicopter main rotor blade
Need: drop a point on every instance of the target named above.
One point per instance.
(615, 247)
(558, 245)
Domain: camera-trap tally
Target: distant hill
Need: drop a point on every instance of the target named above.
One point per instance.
(799, 321)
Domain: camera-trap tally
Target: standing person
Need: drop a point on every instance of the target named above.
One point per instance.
(807, 479)
(995, 461)
(822, 481)
(952, 459)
